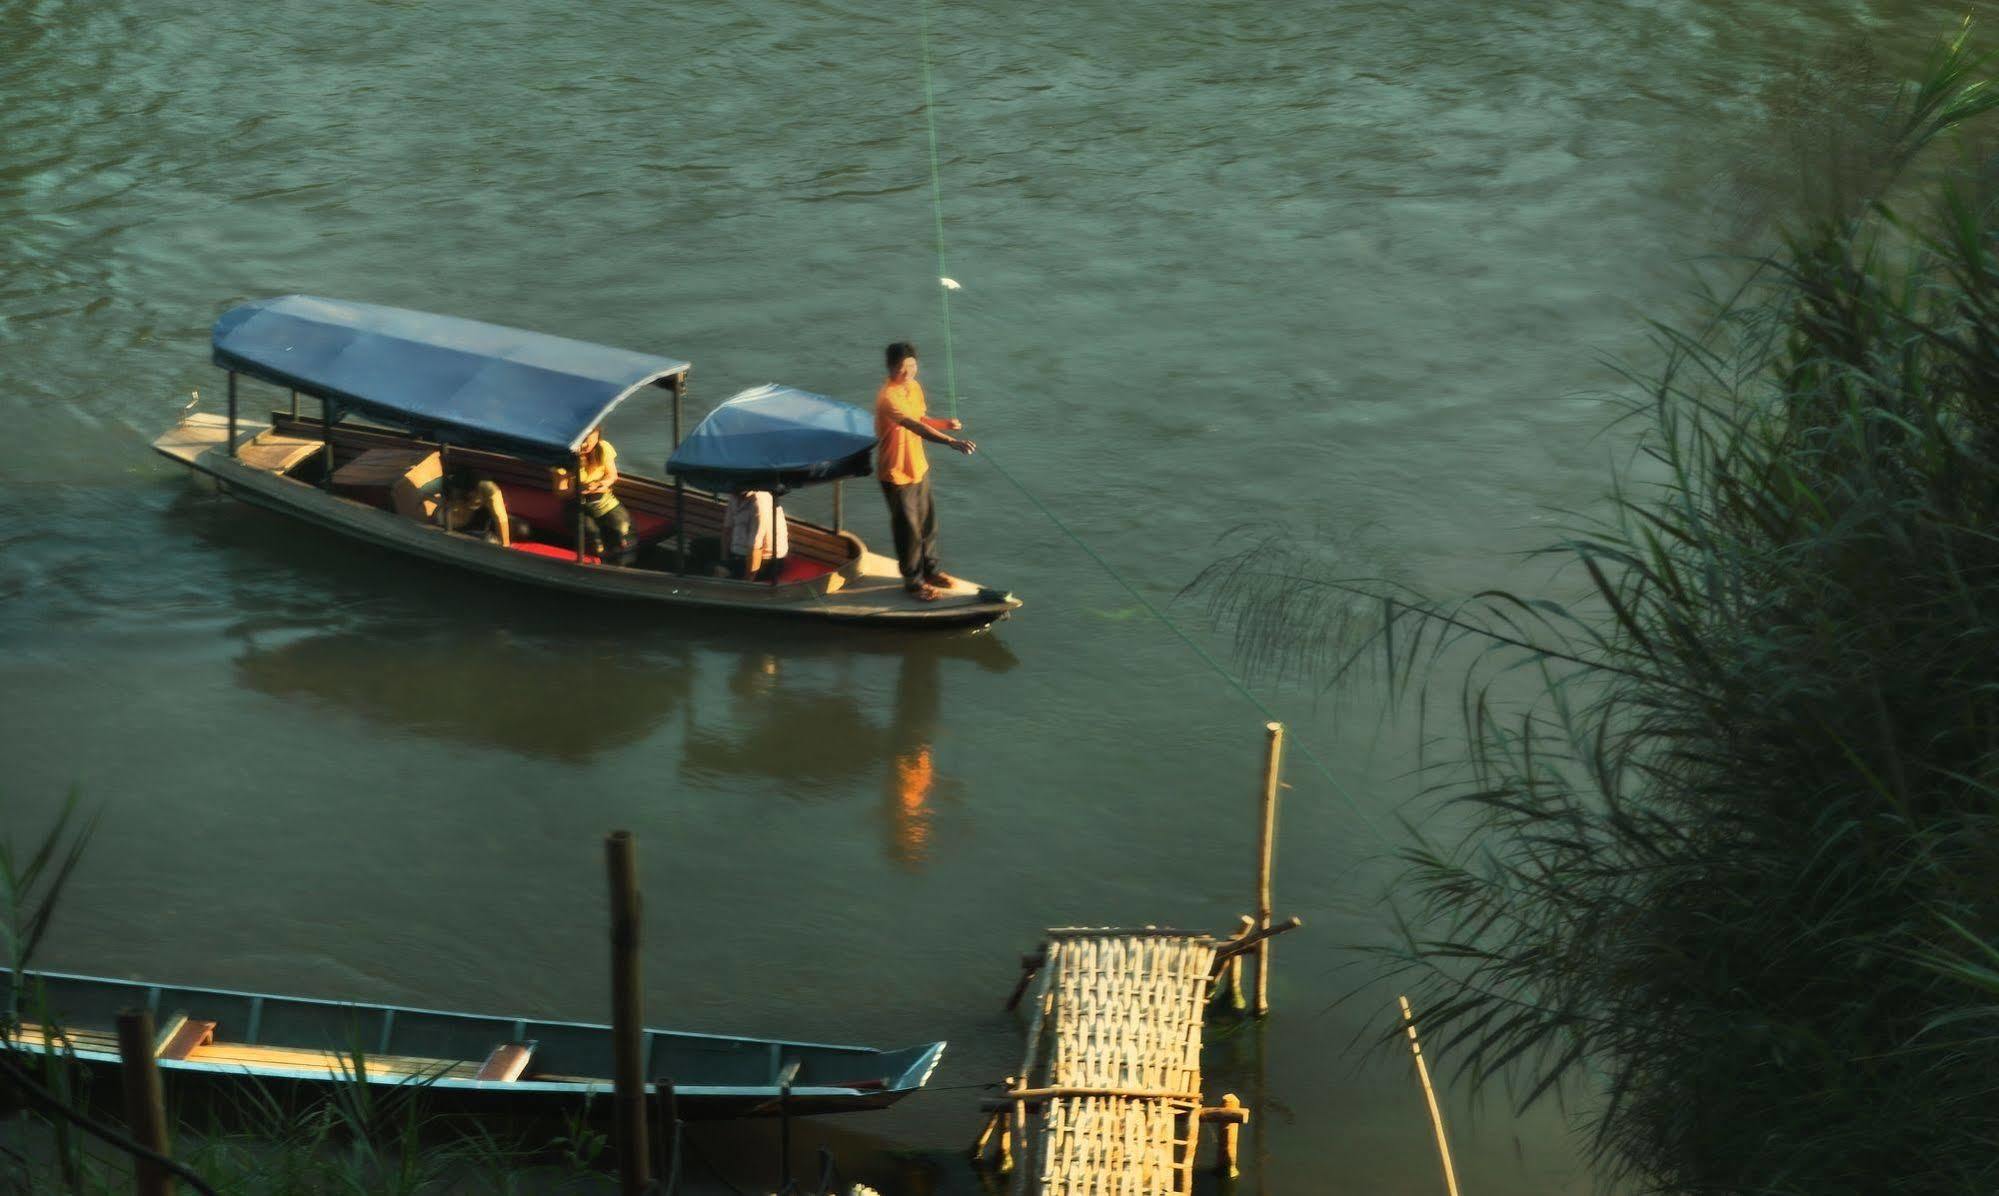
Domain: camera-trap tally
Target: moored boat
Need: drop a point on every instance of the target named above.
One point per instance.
(397, 389)
(467, 1063)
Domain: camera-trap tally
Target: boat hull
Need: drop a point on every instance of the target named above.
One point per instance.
(867, 589)
(295, 1050)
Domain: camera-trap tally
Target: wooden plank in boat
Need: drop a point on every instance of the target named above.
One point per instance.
(36, 1037)
(181, 1035)
(333, 1063)
(193, 436)
(378, 468)
(276, 453)
(507, 1062)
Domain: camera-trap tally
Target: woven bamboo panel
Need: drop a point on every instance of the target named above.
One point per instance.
(1118, 1012)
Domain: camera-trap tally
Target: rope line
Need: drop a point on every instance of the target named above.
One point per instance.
(937, 213)
(951, 374)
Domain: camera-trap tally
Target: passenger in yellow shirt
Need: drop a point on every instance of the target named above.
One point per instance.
(901, 426)
(608, 531)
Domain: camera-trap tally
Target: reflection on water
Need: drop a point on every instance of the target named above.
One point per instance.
(911, 778)
(477, 685)
(784, 725)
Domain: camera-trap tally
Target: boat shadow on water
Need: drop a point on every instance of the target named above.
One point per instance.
(443, 655)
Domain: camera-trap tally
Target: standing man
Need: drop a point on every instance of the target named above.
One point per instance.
(901, 427)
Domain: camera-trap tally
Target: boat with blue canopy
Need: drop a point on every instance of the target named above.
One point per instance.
(405, 399)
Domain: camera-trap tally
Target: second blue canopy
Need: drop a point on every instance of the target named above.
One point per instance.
(773, 436)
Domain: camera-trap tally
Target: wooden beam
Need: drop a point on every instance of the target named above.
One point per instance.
(145, 1104)
(627, 1012)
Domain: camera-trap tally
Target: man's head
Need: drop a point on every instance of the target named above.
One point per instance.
(902, 361)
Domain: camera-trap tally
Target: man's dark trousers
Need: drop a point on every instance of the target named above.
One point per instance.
(914, 519)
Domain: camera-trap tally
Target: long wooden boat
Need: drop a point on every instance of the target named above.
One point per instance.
(468, 1063)
(513, 406)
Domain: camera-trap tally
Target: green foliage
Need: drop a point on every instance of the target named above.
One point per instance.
(1733, 876)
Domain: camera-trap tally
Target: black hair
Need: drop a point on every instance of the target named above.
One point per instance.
(898, 352)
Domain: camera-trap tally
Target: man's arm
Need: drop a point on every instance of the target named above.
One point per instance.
(922, 429)
(496, 507)
(944, 425)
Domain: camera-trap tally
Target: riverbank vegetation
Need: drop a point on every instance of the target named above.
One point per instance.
(56, 1134)
(1732, 873)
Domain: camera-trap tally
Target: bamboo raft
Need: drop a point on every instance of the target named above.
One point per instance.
(1108, 1098)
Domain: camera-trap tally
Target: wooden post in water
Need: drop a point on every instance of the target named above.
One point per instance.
(145, 1105)
(627, 1013)
(1266, 850)
(1430, 1095)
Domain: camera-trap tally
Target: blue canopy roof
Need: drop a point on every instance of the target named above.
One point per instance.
(484, 384)
(775, 436)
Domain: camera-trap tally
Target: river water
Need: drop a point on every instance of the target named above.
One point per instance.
(1352, 270)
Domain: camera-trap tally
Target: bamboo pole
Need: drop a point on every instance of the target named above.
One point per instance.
(1430, 1095)
(145, 1104)
(232, 413)
(627, 1012)
(1266, 850)
(1231, 1116)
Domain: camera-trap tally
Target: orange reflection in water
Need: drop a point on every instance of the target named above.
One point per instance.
(914, 776)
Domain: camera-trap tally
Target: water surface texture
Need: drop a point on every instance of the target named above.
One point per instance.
(1348, 269)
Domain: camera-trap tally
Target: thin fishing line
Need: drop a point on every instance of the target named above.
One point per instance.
(937, 213)
(951, 377)
(1206, 657)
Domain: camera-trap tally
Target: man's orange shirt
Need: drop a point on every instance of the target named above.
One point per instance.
(899, 451)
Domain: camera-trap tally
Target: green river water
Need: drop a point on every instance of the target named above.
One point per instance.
(1335, 268)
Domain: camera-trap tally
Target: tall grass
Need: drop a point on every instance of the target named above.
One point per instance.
(1733, 872)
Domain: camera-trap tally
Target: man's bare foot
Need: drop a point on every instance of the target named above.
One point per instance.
(924, 592)
(940, 579)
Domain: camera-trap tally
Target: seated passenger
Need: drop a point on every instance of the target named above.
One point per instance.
(478, 507)
(608, 532)
(755, 535)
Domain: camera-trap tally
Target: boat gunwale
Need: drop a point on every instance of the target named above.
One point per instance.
(150, 988)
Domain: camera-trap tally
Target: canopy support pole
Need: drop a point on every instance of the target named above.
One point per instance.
(294, 404)
(444, 484)
(326, 434)
(839, 507)
(580, 515)
(232, 413)
(679, 487)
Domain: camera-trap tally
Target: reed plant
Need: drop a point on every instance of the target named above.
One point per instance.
(1725, 872)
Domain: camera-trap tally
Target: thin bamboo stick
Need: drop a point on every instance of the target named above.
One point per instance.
(1266, 851)
(1430, 1095)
